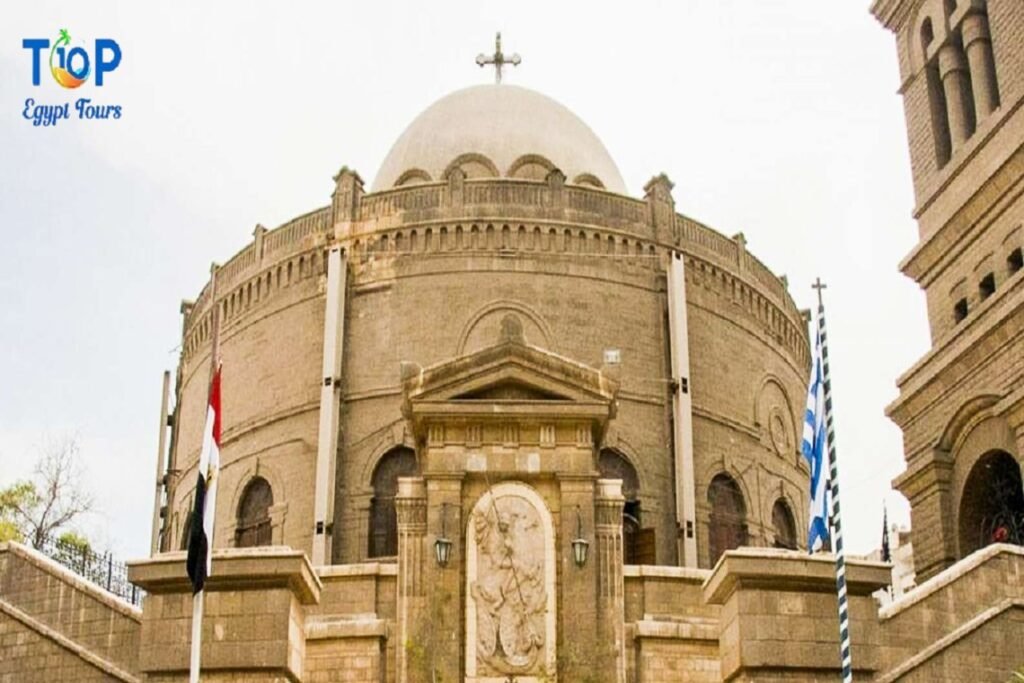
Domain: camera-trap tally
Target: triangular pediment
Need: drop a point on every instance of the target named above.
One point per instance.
(509, 373)
(510, 390)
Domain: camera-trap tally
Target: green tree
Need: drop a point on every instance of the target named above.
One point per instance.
(34, 510)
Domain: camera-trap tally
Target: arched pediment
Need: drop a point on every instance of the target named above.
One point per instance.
(967, 415)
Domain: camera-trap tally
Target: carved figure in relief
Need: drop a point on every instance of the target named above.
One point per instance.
(509, 590)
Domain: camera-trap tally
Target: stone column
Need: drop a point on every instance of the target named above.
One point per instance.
(608, 504)
(978, 45)
(411, 506)
(953, 72)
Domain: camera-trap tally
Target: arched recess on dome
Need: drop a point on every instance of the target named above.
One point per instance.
(991, 506)
(253, 525)
(727, 522)
(382, 535)
(414, 176)
(784, 525)
(638, 543)
(473, 165)
(774, 418)
(588, 180)
(482, 328)
(531, 167)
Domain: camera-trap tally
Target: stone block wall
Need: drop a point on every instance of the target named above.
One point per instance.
(969, 618)
(54, 625)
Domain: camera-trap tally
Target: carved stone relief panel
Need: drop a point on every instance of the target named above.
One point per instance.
(510, 587)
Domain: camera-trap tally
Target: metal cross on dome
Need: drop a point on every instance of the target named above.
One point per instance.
(498, 59)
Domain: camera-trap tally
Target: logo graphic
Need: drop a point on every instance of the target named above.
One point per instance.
(64, 71)
(72, 65)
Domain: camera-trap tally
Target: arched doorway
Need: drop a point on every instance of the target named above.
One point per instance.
(992, 504)
(253, 527)
(638, 544)
(783, 525)
(727, 528)
(383, 532)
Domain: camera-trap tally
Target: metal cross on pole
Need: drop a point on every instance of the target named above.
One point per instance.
(819, 285)
(498, 59)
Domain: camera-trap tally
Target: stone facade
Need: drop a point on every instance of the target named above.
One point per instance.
(430, 270)
(961, 407)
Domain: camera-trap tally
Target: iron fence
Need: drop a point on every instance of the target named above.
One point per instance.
(100, 569)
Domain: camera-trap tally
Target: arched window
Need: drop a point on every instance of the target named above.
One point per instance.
(784, 526)
(992, 506)
(638, 544)
(728, 524)
(383, 537)
(253, 526)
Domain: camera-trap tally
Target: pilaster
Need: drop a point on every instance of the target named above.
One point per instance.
(927, 484)
(661, 207)
(345, 200)
(411, 508)
(608, 504)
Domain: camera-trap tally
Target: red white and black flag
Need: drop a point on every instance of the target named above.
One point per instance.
(200, 542)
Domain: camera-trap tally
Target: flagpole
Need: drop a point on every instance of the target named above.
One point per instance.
(197, 599)
(197, 633)
(846, 661)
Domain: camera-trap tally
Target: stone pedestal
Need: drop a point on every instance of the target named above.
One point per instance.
(779, 615)
(253, 622)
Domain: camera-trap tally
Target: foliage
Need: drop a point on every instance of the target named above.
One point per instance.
(35, 510)
(9, 531)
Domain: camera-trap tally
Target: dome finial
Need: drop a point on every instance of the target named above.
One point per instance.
(498, 58)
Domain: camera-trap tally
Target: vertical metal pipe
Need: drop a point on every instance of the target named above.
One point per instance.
(161, 453)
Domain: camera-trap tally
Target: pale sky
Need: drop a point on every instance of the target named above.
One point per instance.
(778, 119)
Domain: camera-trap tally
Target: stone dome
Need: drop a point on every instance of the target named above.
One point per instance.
(498, 130)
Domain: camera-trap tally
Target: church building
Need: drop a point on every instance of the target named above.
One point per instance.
(493, 418)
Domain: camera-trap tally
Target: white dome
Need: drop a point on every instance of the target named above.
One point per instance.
(502, 123)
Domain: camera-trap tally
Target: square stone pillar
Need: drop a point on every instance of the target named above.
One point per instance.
(441, 646)
(411, 508)
(578, 639)
(927, 483)
(253, 621)
(780, 619)
(608, 504)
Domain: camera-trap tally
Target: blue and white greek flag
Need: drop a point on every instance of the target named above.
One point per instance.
(816, 451)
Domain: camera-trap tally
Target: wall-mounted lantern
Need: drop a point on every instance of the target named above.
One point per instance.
(580, 545)
(443, 544)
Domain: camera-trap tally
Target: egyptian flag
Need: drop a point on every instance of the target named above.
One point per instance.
(200, 540)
